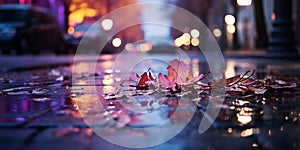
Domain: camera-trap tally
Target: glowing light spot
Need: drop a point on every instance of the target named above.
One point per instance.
(247, 132)
(195, 41)
(244, 2)
(116, 42)
(254, 145)
(107, 24)
(89, 12)
(217, 32)
(108, 80)
(186, 36)
(187, 43)
(83, 5)
(195, 33)
(78, 34)
(71, 30)
(72, 7)
(230, 71)
(108, 89)
(118, 79)
(230, 19)
(244, 119)
(77, 17)
(144, 47)
(230, 29)
(109, 71)
(22, 1)
(273, 16)
(229, 130)
(178, 42)
(129, 47)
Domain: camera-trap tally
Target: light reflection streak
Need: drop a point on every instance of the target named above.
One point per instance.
(249, 132)
(108, 80)
(244, 116)
(230, 71)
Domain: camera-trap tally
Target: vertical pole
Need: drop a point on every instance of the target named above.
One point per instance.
(282, 37)
(298, 23)
(262, 36)
(236, 44)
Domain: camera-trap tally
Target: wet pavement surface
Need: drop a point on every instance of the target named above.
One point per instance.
(41, 108)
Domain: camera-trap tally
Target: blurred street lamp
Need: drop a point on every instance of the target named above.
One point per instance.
(230, 28)
(229, 19)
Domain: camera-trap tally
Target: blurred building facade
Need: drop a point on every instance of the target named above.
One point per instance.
(211, 12)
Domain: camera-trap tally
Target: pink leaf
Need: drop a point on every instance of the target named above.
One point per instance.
(178, 71)
(163, 80)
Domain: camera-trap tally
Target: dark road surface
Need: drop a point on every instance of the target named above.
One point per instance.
(39, 108)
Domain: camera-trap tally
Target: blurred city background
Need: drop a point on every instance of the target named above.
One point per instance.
(59, 25)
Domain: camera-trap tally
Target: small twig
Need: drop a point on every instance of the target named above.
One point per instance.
(243, 78)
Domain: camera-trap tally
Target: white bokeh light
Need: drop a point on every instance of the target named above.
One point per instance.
(195, 33)
(107, 24)
(116, 42)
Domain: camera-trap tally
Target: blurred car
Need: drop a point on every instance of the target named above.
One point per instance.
(29, 29)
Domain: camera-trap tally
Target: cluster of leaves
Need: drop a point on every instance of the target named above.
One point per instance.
(246, 84)
(180, 77)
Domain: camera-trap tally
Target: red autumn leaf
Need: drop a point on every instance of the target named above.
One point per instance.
(143, 80)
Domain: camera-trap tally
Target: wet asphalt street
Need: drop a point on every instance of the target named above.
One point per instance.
(41, 108)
